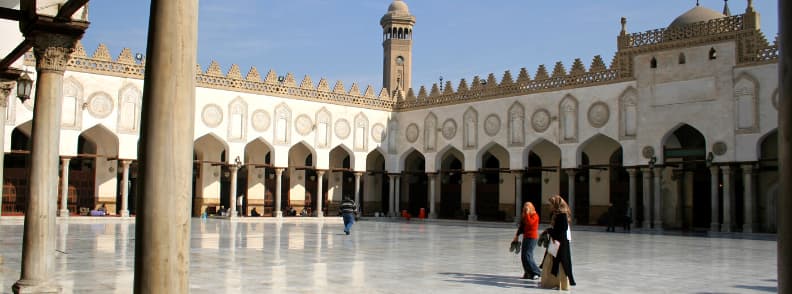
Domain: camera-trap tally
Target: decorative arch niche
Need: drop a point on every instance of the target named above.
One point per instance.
(282, 134)
(71, 107)
(628, 114)
(129, 100)
(430, 133)
(568, 117)
(746, 104)
(516, 125)
(323, 133)
(361, 131)
(237, 116)
(470, 129)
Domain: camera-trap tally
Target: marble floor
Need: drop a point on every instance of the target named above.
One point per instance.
(307, 256)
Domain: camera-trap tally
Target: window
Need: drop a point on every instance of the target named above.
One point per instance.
(653, 63)
(682, 58)
(713, 54)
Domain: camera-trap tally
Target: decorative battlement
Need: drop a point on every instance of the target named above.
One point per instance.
(718, 26)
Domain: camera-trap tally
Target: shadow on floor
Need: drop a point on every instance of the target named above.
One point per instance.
(770, 289)
(491, 280)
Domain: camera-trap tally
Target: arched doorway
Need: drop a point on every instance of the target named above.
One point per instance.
(595, 190)
(542, 178)
(685, 153)
(16, 188)
(340, 179)
(94, 172)
(259, 178)
(301, 179)
(377, 183)
(416, 183)
(488, 200)
(451, 172)
(211, 175)
(767, 177)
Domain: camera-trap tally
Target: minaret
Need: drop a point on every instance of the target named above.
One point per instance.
(397, 33)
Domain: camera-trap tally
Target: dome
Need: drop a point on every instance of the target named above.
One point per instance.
(697, 14)
(398, 6)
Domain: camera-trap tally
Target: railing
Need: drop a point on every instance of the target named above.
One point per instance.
(706, 28)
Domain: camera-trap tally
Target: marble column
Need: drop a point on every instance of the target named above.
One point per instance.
(633, 206)
(392, 196)
(64, 187)
(357, 192)
(658, 198)
(472, 216)
(432, 199)
(5, 92)
(162, 244)
(571, 187)
(397, 196)
(728, 199)
(647, 198)
(232, 197)
(679, 176)
(278, 210)
(319, 191)
(52, 53)
(715, 202)
(518, 199)
(748, 199)
(125, 187)
(784, 218)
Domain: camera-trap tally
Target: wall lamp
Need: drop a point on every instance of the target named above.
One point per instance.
(24, 87)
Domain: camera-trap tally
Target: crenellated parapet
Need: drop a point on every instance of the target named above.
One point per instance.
(127, 66)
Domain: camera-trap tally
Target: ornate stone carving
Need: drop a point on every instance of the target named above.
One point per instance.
(237, 120)
(360, 142)
(52, 51)
(129, 100)
(261, 120)
(449, 129)
(516, 125)
(378, 133)
(72, 104)
(303, 124)
(540, 120)
(100, 105)
(323, 128)
(430, 132)
(393, 136)
(342, 129)
(719, 148)
(492, 125)
(598, 114)
(282, 134)
(470, 129)
(412, 133)
(648, 152)
(568, 117)
(5, 91)
(628, 114)
(212, 115)
(746, 104)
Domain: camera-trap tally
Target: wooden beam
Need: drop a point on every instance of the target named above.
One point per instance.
(67, 10)
(15, 54)
(10, 14)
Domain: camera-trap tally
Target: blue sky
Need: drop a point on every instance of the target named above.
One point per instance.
(341, 39)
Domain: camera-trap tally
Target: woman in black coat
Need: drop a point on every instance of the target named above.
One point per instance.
(557, 271)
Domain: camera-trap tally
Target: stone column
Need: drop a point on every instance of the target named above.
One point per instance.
(318, 196)
(728, 199)
(357, 191)
(658, 198)
(784, 218)
(52, 53)
(571, 186)
(232, 197)
(633, 206)
(679, 176)
(518, 199)
(278, 210)
(64, 211)
(715, 202)
(162, 245)
(748, 199)
(647, 198)
(392, 195)
(5, 91)
(397, 196)
(125, 187)
(473, 179)
(432, 199)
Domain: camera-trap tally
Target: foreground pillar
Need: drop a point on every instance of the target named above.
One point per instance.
(232, 197)
(52, 53)
(162, 245)
(647, 197)
(357, 192)
(64, 211)
(715, 201)
(785, 148)
(125, 187)
(318, 196)
(748, 199)
(278, 210)
(5, 92)
(432, 193)
(571, 197)
(473, 216)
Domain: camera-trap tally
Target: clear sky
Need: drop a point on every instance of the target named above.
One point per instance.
(342, 39)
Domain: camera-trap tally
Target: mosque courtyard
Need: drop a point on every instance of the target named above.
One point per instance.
(296, 255)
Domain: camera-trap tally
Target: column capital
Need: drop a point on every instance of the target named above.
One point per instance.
(359, 173)
(571, 171)
(5, 91)
(320, 172)
(52, 50)
(726, 169)
(714, 169)
(126, 162)
(233, 168)
(646, 171)
(632, 171)
(658, 170)
(279, 171)
(748, 168)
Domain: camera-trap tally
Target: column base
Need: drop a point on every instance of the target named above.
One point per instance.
(727, 228)
(279, 214)
(432, 215)
(30, 287)
(646, 225)
(748, 228)
(63, 213)
(472, 217)
(714, 227)
(125, 213)
(320, 214)
(233, 218)
(658, 226)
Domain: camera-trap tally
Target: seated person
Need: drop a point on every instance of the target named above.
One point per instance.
(292, 211)
(254, 212)
(304, 212)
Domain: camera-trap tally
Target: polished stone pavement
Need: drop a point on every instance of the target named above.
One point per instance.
(310, 256)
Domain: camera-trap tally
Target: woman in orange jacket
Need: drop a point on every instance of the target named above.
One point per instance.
(529, 228)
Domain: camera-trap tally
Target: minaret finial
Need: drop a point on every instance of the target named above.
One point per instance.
(726, 10)
(697, 2)
(750, 7)
(624, 25)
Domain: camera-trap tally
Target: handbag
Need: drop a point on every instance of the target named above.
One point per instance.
(553, 247)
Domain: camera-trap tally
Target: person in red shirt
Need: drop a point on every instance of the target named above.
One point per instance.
(529, 228)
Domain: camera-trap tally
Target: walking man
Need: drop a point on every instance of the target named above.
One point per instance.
(348, 211)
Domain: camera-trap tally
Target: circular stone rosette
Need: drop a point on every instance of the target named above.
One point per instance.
(212, 115)
(342, 129)
(412, 133)
(492, 125)
(540, 120)
(449, 129)
(719, 148)
(648, 152)
(261, 120)
(100, 105)
(378, 133)
(303, 124)
(598, 114)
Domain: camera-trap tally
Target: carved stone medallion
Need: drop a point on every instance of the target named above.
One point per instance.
(100, 105)
(598, 114)
(342, 129)
(492, 125)
(719, 148)
(449, 129)
(540, 120)
(378, 132)
(261, 120)
(648, 152)
(412, 133)
(212, 115)
(303, 124)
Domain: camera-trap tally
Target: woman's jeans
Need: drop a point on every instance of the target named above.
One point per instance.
(349, 220)
(528, 263)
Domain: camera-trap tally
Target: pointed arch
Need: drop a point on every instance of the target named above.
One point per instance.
(767, 145)
(237, 120)
(323, 133)
(449, 152)
(497, 151)
(338, 154)
(746, 104)
(130, 98)
(599, 149)
(628, 114)
(691, 139)
(210, 147)
(548, 151)
(104, 142)
(299, 153)
(259, 151)
(568, 119)
(516, 124)
(430, 132)
(71, 107)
